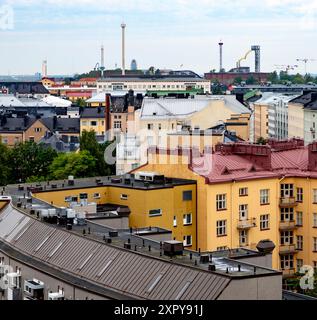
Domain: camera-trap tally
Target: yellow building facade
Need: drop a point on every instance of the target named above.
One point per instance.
(155, 207)
(240, 213)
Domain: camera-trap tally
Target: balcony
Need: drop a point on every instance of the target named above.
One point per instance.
(288, 202)
(287, 225)
(246, 224)
(288, 273)
(288, 249)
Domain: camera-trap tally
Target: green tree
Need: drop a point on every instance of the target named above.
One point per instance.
(30, 160)
(237, 80)
(89, 143)
(261, 140)
(273, 77)
(79, 165)
(81, 103)
(251, 80)
(4, 165)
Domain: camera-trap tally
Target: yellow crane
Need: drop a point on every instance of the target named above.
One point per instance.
(243, 58)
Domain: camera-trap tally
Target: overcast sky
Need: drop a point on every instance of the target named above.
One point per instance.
(162, 33)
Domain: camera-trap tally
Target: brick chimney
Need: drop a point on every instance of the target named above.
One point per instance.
(312, 156)
(107, 113)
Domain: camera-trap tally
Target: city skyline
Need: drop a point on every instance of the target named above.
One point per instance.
(69, 35)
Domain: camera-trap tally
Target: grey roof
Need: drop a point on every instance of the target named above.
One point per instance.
(16, 124)
(9, 100)
(63, 125)
(24, 87)
(98, 112)
(308, 100)
(134, 275)
(180, 108)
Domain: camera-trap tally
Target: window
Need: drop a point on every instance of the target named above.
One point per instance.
(221, 248)
(84, 123)
(243, 211)
(287, 190)
(264, 196)
(31, 139)
(299, 264)
(150, 126)
(299, 242)
(83, 196)
(221, 201)
(299, 195)
(264, 222)
(243, 238)
(221, 228)
(315, 244)
(159, 126)
(93, 123)
(287, 214)
(175, 221)
(187, 241)
(315, 220)
(135, 165)
(37, 129)
(155, 212)
(96, 195)
(299, 218)
(187, 195)
(124, 196)
(243, 192)
(287, 261)
(315, 195)
(286, 237)
(187, 219)
(117, 125)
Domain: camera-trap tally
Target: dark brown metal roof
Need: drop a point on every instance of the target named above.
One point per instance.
(132, 274)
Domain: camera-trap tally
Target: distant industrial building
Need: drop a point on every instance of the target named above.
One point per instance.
(134, 65)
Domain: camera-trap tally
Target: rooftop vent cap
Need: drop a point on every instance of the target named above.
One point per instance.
(173, 248)
(265, 246)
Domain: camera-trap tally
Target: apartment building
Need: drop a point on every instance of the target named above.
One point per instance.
(302, 117)
(158, 119)
(271, 116)
(247, 193)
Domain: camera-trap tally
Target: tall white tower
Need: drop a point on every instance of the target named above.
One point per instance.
(44, 69)
(123, 25)
(102, 61)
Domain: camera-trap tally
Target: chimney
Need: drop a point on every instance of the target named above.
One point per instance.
(312, 156)
(240, 97)
(313, 96)
(107, 112)
(54, 123)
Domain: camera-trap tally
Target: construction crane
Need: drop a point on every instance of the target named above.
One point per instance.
(257, 56)
(286, 68)
(243, 58)
(305, 60)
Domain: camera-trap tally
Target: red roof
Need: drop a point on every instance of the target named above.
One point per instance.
(219, 167)
(86, 94)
